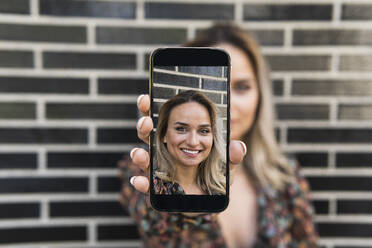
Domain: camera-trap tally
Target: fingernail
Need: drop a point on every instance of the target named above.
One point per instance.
(132, 180)
(139, 98)
(244, 147)
(140, 122)
(132, 151)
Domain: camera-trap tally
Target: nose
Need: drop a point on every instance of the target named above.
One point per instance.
(192, 139)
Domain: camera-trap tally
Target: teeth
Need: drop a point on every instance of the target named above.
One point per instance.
(192, 152)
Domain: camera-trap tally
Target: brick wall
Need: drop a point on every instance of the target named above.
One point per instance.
(209, 80)
(70, 73)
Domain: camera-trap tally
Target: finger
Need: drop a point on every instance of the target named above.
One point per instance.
(237, 151)
(144, 127)
(140, 183)
(143, 104)
(140, 157)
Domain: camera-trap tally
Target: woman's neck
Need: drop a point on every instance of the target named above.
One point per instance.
(186, 176)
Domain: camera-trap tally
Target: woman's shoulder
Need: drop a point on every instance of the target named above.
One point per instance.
(288, 210)
(299, 186)
(296, 187)
(167, 187)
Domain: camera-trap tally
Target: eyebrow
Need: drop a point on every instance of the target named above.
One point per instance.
(185, 124)
(245, 80)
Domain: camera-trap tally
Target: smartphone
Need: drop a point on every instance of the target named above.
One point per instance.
(189, 156)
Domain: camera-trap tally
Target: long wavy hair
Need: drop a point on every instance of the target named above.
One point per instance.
(211, 175)
(264, 163)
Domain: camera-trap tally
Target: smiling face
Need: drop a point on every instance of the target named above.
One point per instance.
(244, 92)
(189, 136)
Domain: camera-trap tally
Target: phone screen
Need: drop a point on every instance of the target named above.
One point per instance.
(189, 108)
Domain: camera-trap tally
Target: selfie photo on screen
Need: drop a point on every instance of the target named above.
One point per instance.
(190, 136)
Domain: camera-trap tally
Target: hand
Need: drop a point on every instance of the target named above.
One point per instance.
(140, 157)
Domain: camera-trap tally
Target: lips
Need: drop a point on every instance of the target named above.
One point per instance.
(190, 153)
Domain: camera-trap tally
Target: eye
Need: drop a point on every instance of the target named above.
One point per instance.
(241, 86)
(205, 131)
(180, 129)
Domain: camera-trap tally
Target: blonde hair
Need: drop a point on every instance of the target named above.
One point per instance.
(264, 163)
(210, 175)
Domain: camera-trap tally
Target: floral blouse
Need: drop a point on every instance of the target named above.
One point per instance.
(167, 188)
(285, 219)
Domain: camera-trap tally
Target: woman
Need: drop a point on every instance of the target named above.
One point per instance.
(269, 201)
(189, 153)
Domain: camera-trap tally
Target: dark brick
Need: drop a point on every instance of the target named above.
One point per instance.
(156, 107)
(332, 37)
(44, 185)
(171, 79)
(312, 159)
(117, 232)
(90, 111)
(50, 234)
(80, 60)
(146, 58)
(44, 135)
(86, 209)
(299, 62)
(278, 87)
(163, 93)
(15, 6)
(354, 207)
(155, 120)
(343, 230)
(189, 11)
(342, 183)
(325, 87)
(109, 184)
(21, 59)
(354, 159)
(302, 111)
(321, 206)
(83, 159)
(215, 71)
(356, 12)
(214, 97)
(18, 161)
(356, 63)
(287, 12)
(269, 37)
(44, 85)
(117, 136)
(123, 86)
(355, 112)
(277, 134)
(329, 135)
(127, 35)
(47, 33)
(108, 9)
(15, 110)
(210, 84)
(19, 210)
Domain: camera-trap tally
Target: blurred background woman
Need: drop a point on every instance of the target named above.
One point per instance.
(269, 200)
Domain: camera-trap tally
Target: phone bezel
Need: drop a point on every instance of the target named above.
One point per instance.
(189, 56)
